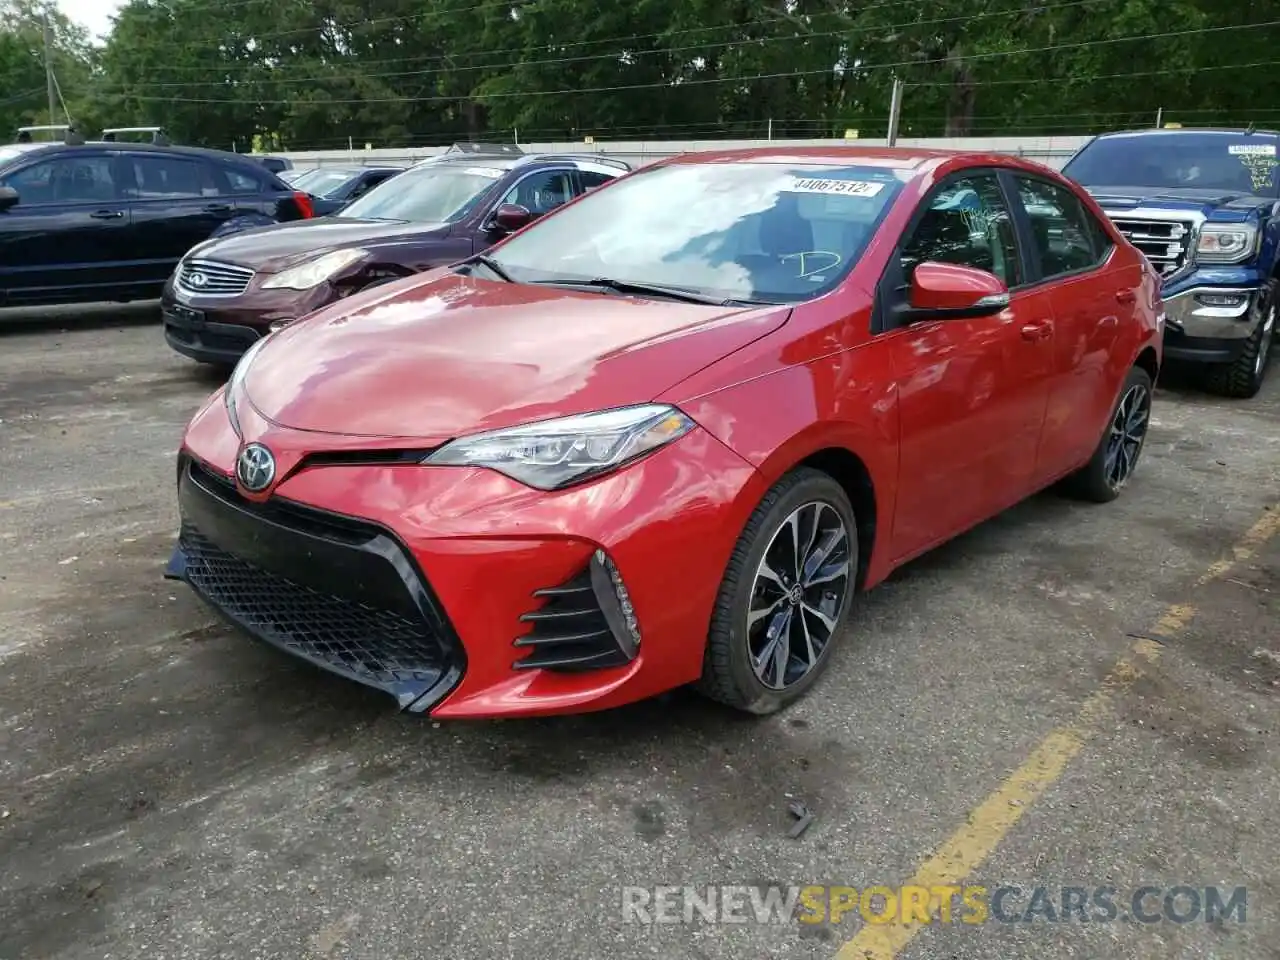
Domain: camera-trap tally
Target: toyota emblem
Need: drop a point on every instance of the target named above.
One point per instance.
(255, 468)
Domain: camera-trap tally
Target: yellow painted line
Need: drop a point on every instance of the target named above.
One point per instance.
(990, 822)
(1268, 526)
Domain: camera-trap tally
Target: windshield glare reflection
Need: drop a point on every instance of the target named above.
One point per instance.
(775, 232)
(427, 195)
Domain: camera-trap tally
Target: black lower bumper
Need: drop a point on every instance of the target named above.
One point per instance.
(1178, 346)
(205, 341)
(340, 593)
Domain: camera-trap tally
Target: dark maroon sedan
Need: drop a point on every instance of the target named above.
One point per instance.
(228, 292)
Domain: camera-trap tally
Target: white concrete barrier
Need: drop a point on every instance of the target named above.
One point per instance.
(1052, 151)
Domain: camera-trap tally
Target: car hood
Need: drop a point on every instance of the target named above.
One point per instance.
(1118, 200)
(276, 246)
(448, 355)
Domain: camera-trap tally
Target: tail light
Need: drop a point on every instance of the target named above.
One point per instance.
(303, 200)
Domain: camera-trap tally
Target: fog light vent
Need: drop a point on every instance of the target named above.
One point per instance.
(585, 623)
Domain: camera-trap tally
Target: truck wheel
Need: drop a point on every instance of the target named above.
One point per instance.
(1243, 379)
(784, 596)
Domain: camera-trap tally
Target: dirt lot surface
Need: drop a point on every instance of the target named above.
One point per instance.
(169, 789)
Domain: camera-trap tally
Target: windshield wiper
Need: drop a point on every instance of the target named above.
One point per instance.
(652, 289)
(494, 267)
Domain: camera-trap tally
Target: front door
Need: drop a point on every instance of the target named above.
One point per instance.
(64, 239)
(971, 392)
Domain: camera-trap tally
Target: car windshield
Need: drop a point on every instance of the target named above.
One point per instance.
(428, 195)
(322, 183)
(764, 231)
(12, 153)
(1180, 161)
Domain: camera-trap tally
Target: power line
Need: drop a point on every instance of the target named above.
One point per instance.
(829, 71)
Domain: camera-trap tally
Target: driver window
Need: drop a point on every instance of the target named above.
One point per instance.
(968, 224)
(73, 179)
(540, 193)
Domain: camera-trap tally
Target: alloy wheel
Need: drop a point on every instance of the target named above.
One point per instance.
(1128, 431)
(798, 594)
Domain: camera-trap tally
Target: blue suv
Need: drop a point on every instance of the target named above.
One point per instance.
(1204, 206)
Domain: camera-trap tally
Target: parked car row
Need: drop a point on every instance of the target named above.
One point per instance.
(603, 444)
(230, 291)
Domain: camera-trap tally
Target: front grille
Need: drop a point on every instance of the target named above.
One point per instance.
(570, 631)
(378, 647)
(209, 278)
(1164, 242)
(337, 591)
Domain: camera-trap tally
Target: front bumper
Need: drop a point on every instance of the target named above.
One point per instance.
(1202, 326)
(220, 329)
(445, 587)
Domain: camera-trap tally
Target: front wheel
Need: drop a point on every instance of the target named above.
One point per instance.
(1116, 457)
(784, 596)
(1243, 378)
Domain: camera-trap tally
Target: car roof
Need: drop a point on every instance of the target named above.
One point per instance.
(899, 157)
(207, 153)
(1182, 131)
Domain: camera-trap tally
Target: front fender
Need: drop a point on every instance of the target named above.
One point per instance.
(778, 420)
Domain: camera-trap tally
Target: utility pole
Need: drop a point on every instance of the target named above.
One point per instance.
(1159, 117)
(48, 69)
(895, 110)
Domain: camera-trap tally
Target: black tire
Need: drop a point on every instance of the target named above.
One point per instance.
(1097, 480)
(1243, 378)
(727, 672)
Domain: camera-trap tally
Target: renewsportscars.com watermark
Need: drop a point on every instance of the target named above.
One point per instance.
(970, 904)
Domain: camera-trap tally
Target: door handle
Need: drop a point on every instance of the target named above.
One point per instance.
(107, 214)
(218, 208)
(1040, 330)
(1126, 296)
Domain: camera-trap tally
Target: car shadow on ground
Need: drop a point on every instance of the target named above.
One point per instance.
(80, 316)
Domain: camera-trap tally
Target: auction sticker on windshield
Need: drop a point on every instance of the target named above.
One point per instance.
(847, 188)
(1252, 149)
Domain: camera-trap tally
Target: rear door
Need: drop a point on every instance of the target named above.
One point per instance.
(175, 204)
(67, 237)
(1073, 262)
(971, 392)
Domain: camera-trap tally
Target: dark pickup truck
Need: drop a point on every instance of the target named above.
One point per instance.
(1204, 206)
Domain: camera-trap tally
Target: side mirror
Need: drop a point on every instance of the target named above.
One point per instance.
(8, 198)
(511, 217)
(942, 290)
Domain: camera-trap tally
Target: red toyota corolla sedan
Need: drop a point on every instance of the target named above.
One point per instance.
(663, 435)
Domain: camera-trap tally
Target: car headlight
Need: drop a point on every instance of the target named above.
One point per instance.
(314, 272)
(556, 453)
(236, 381)
(1226, 243)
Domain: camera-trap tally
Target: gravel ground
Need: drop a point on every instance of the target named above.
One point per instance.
(171, 789)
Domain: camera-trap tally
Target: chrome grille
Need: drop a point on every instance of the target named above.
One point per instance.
(1164, 242)
(205, 278)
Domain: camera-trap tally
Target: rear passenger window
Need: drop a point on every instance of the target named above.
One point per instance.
(229, 182)
(168, 178)
(1068, 237)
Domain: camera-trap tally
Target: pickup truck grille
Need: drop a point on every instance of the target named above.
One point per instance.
(1164, 242)
(207, 278)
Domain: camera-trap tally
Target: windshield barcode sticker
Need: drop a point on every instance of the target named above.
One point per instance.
(844, 188)
(1252, 149)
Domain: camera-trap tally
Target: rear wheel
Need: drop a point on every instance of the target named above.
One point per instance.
(1116, 457)
(784, 596)
(1243, 378)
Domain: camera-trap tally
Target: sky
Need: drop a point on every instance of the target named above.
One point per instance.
(93, 14)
